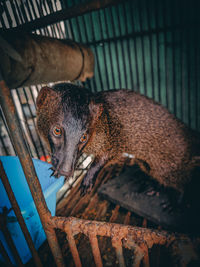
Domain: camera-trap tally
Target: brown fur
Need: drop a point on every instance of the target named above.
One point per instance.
(123, 121)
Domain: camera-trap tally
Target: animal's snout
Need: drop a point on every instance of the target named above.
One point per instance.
(64, 160)
(61, 172)
(62, 167)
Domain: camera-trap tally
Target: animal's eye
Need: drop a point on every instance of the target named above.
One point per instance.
(57, 132)
(84, 138)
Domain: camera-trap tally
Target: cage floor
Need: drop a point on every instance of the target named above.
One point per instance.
(94, 207)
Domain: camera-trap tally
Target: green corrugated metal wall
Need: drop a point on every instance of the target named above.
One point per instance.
(150, 46)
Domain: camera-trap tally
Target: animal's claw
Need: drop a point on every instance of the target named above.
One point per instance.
(86, 186)
(54, 173)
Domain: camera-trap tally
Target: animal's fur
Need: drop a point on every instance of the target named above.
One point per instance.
(117, 122)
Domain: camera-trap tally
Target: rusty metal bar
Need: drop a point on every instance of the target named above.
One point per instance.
(127, 218)
(117, 244)
(95, 250)
(135, 238)
(5, 255)
(138, 255)
(9, 240)
(127, 233)
(19, 216)
(71, 12)
(146, 255)
(73, 247)
(16, 134)
(144, 223)
(115, 213)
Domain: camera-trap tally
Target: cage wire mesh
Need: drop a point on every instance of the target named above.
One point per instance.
(148, 46)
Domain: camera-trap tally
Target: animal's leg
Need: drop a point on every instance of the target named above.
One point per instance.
(91, 175)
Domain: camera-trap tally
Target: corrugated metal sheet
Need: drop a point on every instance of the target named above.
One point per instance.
(149, 46)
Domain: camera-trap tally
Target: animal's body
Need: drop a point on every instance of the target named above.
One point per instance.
(112, 124)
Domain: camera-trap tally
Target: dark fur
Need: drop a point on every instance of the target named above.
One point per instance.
(116, 121)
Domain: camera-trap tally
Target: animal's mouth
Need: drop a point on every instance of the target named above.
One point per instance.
(61, 168)
(57, 173)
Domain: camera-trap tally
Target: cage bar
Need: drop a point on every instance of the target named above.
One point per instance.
(95, 249)
(117, 244)
(73, 247)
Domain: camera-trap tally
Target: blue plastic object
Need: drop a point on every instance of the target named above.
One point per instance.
(50, 186)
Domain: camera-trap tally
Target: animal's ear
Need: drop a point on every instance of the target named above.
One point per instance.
(44, 92)
(95, 110)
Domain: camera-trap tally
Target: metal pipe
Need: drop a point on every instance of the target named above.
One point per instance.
(61, 60)
(19, 216)
(16, 134)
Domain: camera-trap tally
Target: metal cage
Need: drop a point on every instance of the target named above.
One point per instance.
(151, 47)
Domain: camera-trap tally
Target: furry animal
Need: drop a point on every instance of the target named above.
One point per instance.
(110, 125)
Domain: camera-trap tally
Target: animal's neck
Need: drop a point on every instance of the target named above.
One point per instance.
(106, 137)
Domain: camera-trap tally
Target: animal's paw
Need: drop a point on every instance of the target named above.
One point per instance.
(86, 186)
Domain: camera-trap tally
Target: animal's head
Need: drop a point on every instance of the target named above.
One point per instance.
(65, 116)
